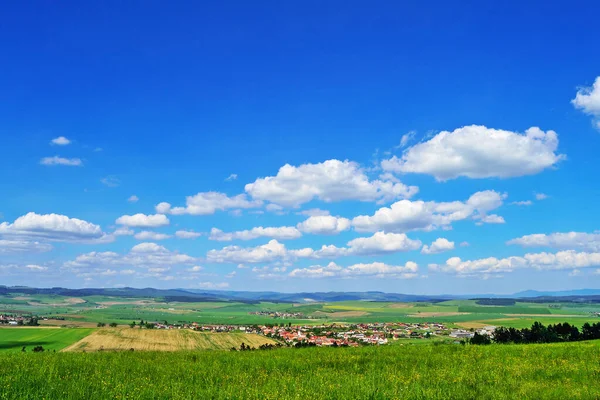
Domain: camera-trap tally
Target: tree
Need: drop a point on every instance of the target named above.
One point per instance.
(113, 325)
(101, 325)
(132, 325)
(480, 339)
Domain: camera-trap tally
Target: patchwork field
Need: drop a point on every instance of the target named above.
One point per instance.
(87, 311)
(547, 371)
(14, 339)
(164, 340)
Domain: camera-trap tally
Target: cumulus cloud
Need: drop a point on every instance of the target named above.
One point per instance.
(439, 245)
(559, 240)
(324, 225)
(187, 234)
(231, 177)
(143, 220)
(56, 160)
(381, 243)
(329, 181)
(269, 252)
(279, 233)
(206, 203)
(143, 255)
(541, 196)
(133, 199)
(563, 260)
(479, 152)
(372, 270)
(406, 215)
(52, 227)
(60, 141)
(378, 244)
(149, 235)
(587, 100)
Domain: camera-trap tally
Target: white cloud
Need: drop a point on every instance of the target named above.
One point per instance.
(575, 272)
(231, 177)
(313, 212)
(406, 215)
(34, 267)
(464, 244)
(324, 225)
(377, 244)
(23, 246)
(329, 181)
(269, 252)
(196, 268)
(541, 196)
(407, 138)
(60, 141)
(439, 245)
(372, 270)
(231, 275)
(563, 260)
(123, 231)
(522, 203)
(144, 255)
(479, 152)
(187, 234)
(279, 233)
(56, 160)
(381, 243)
(133, 199)
(149, 235)
(143, 221)
(162, 208)
(275, 208)
(206, 203)
(110, 181)
(588, 100)
(558, 240)
(52, 227)
(492, 219)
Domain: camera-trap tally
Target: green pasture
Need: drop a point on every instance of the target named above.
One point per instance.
(14, 338)
(430, 371)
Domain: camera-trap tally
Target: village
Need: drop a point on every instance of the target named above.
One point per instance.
(335, 334)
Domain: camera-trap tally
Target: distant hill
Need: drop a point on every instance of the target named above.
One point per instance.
(196, 295)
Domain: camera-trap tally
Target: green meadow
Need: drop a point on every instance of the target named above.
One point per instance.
(547, 371)
(14, 339)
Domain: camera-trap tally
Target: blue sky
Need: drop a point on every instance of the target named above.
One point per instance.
(429, 148)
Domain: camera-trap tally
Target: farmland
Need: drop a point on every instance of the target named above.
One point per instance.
(409, 371)
(14, 339)
(164, 340)
(86, 311)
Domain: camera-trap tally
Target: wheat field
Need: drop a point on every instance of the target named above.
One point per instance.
(163, 340)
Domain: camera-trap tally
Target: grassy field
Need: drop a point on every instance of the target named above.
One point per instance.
(164, 340)
(13, 339)
(553, 371)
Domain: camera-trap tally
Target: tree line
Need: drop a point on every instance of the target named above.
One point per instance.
(538, 333)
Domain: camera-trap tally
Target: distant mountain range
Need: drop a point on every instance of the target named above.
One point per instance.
(303, 297)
